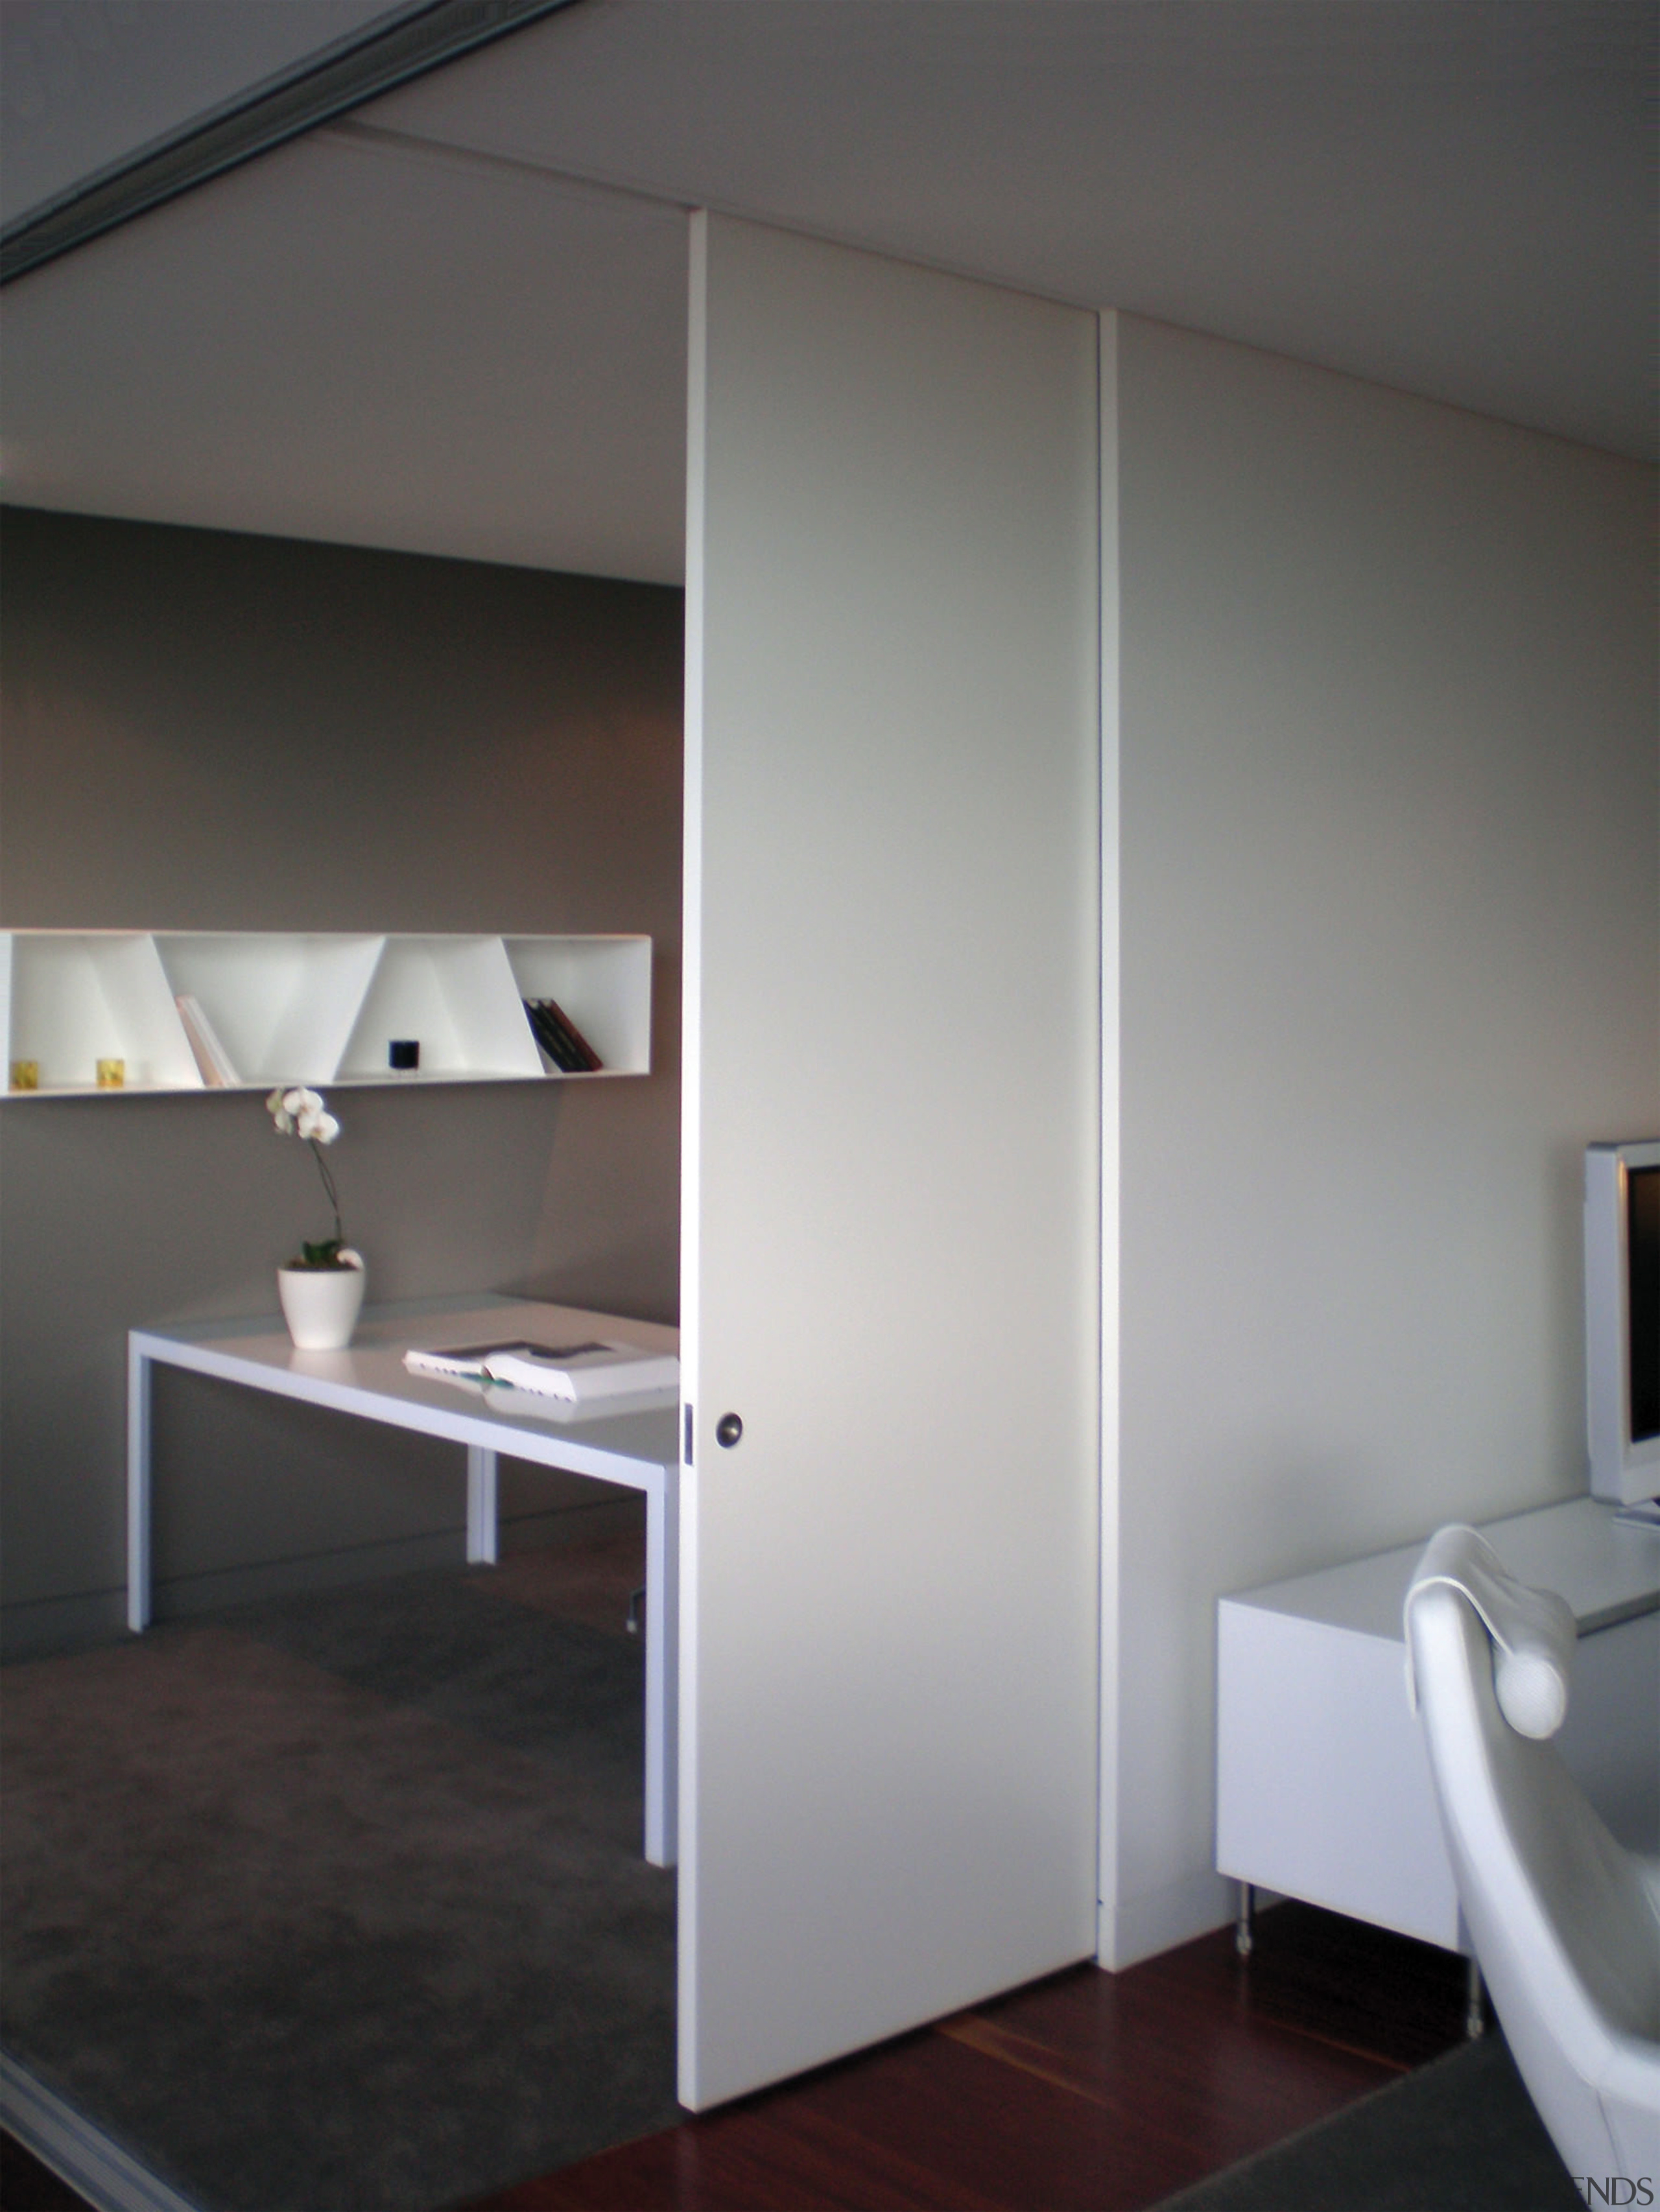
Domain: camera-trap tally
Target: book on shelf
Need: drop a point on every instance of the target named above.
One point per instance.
(573, 1036)
(560, 1039)
(211, 1058)
(573, 1374)
(554, 1061)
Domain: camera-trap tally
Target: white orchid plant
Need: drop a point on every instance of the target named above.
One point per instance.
(300, 1113)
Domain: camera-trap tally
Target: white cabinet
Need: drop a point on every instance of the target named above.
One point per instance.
(310, 1008)
(1324, 1786)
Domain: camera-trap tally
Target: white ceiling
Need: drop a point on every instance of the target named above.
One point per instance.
(1454, 195)
(418, 330)
(84, 83)
(371, 343)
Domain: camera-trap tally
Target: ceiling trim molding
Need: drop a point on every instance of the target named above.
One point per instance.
(329, 84)
(375, 138)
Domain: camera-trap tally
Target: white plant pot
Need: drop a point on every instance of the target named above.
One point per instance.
(319, 1305)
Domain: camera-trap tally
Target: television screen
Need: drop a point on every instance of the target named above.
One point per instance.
(1643, 1298)
(1622, 1320)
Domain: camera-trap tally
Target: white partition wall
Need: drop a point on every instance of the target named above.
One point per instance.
(1389, 877)
(890, 1242)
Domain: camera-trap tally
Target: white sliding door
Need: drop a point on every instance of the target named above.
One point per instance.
(891, 1261)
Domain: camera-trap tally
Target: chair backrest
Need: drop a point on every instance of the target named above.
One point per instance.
(1563, 1922)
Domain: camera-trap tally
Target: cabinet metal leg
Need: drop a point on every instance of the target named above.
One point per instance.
(1476, 2018)
(1244, 1939)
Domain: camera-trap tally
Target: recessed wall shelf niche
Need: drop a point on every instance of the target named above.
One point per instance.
(310, 1008)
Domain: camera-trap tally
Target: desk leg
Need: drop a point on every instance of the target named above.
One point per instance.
(481, 1507)
(139, 1490)
(662, 1667)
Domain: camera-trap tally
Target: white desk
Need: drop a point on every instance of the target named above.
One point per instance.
(1323, 1783)
(636, 1445)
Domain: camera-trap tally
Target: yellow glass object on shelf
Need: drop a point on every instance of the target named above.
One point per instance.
(26, 1075)
(112, 1074)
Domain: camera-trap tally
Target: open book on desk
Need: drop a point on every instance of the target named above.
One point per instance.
(587, 1375)
(536, 1405)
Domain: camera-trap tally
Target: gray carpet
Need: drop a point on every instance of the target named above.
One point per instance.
(1458, 2136)
(336, 1903)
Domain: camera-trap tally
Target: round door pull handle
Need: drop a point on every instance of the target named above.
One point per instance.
(727, 1430)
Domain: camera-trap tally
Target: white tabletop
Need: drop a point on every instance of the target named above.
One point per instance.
(1607, 1570)
(631, 1438)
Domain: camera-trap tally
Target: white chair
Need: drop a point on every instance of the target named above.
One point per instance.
(1565, 1923)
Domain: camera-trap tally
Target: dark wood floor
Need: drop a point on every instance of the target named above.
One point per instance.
(1088, 2090)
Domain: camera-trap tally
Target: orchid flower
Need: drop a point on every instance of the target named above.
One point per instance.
(299, 1112)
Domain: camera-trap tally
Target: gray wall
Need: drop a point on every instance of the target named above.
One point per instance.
(212, 731)
(1391, 944)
